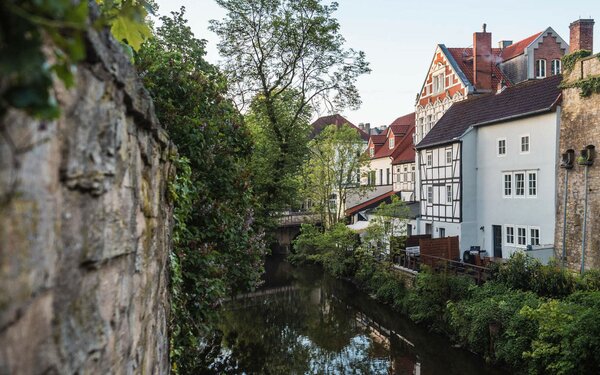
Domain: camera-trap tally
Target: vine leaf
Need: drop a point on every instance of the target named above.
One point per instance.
(126, 28)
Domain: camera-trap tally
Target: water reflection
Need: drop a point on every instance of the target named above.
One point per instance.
(303, 322)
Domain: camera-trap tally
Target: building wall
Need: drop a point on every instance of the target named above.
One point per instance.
(515, 69)
(468, 197)
(495, 209)
(580, 126)
(549, 49)
(404, 181)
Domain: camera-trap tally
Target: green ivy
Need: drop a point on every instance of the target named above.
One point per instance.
(41, 41)
(569, 60)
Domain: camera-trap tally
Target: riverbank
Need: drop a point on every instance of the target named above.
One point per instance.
(529, 318)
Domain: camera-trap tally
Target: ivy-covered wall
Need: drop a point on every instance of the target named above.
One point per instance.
(579, 127)
(85, 227)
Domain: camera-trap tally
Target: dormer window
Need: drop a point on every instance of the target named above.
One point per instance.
(540, 68)
(392, 141)
(438, 83)
(372, 151)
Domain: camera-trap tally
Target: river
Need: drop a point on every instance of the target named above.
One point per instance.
(301, 321)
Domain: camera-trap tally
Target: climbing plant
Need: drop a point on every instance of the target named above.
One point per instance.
(569, 60)
(43, 40)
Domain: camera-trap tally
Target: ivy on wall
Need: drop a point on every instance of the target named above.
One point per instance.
(587, 86)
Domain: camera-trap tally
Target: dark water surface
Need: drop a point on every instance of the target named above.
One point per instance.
(304, 322)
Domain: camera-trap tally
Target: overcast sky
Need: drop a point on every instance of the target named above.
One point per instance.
(399, 38)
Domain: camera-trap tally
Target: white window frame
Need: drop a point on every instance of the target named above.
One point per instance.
(429, 159)
(529, 174)
(429, 194)
(449, 156)
(518, 237)
(392, 141)
(530, 239)
(449, 196)
(372, 151)
(516, 184)
(498, 153)
(556, 67)
(438, 82)
(540, 68)
(510, 188)
(506, 234)
(528, 144)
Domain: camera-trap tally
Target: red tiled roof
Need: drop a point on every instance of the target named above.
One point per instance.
(399, 128)
(338, 120)
(370, 203)
(378, 139)
(527, 98)
(405, 152)
(464, 59)
(517, 48)
(404, 120)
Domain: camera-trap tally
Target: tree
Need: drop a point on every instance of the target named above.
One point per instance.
(333, 171)
(218, 247)
(388, 224)
(289, 49)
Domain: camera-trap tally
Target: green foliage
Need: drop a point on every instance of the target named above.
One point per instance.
(587, 86)
(526, 273)
(426, 302)
(568, 338)
(336, 155)
(218, 247)
(28, 69)
(488, 322)
(569, 60)
(387, 229)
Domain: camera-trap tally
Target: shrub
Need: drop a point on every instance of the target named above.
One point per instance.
(590, 280)
(568, 338)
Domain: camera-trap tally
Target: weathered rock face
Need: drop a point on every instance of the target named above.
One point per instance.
(580, 126)
(85, 228)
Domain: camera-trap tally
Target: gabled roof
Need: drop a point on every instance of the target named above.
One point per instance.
(518, 48)
(405, 152)
(464, 60)
(372, 203)
(338, 120)
(525, 99)
(378, 139)
(403, 122)
(399, 128)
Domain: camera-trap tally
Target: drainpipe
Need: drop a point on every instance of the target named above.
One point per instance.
(585, 208)
(566, 163)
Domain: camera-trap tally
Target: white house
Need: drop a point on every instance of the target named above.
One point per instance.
(488, 168)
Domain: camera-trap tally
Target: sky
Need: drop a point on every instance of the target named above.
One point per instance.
(399, 38)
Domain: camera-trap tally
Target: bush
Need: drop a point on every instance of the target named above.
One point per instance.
(488, 323)
(426, 302)
(590, 280)
(568, 338)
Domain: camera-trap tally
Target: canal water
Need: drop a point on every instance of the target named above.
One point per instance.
(301, 321)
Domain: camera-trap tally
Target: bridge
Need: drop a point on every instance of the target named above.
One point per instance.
(288, 228)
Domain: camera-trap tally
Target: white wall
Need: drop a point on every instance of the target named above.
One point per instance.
(494, 209)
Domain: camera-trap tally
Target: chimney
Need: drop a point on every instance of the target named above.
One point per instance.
(504, 43)
(482, 60)
(581, 36)
(367, 128)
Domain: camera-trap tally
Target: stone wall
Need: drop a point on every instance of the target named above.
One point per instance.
(580, 126)
(85, 228)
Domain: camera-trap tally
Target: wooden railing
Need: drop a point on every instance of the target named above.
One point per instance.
(441, 265)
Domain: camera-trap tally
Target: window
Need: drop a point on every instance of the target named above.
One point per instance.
(534, 236)
(429, 123)
(449, 157)
(510, 235)
(520, 184)
(381, 177)
(532, 184)
(387, 177)
(392, 141)
(429, 159)
(502, 147)
(438, 83)
(556, 68)
(442, 232)
(429, 194)
(521, 236)
(371, 178)
(507, 185)
(540, 68)
(524, 144)
(372, 151)
(449, 193)
(412, 174)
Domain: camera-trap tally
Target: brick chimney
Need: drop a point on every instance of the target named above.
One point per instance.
(581, 36)
(482, 60)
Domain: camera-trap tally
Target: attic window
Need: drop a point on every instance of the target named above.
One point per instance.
(438, 83)
(372, 151)
(540, 68)
(392, 141)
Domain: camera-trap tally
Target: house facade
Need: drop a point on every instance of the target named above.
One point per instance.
(487, 173)
(445, 167)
